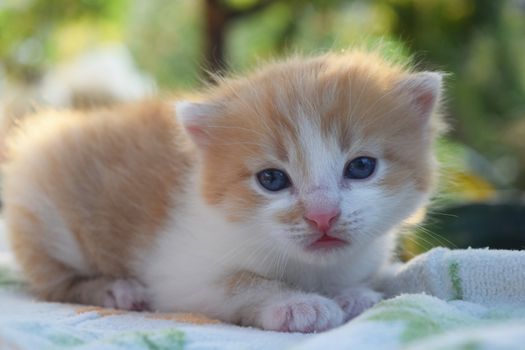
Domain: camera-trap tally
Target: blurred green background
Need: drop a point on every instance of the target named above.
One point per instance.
(89, 52)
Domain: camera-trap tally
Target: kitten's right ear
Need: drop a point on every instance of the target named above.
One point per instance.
(196, 117)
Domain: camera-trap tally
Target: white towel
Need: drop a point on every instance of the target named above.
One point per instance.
(483, 276)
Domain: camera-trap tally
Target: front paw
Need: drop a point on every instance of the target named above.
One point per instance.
(301, 313)
(354, 301)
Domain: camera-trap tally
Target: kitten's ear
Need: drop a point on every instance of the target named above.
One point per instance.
(424, 90)
(195, 117)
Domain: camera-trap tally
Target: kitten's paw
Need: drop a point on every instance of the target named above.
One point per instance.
(301, 313)
(126, 294)
(354, 301)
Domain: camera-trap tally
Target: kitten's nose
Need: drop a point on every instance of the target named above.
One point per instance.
(323, 219)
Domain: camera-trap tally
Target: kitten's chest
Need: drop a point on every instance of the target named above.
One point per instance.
(350, 271)
(322, 279)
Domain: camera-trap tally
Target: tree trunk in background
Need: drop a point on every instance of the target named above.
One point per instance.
(216, 22)
(218, 16)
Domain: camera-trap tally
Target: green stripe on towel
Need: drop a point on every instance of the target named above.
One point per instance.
(457, 286)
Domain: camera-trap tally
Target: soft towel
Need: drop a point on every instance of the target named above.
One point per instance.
(487, 277)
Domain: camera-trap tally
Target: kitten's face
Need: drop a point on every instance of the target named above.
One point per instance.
(319, 157)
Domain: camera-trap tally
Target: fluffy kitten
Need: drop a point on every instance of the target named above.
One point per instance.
(271, 202)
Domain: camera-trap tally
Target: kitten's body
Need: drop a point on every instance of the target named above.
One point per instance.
(124, 208)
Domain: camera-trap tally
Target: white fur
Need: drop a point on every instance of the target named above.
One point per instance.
(355, 300)
(59, 240)
(302, 312)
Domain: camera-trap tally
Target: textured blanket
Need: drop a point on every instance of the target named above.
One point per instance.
(481, 305)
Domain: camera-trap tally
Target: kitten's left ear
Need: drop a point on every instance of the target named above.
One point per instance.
(196, 118)
(424, 90)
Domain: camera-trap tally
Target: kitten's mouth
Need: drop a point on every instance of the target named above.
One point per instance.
(327, 242)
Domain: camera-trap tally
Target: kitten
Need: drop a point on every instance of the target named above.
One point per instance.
(271, 202)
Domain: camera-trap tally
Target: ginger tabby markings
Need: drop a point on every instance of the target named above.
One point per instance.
(272, 201)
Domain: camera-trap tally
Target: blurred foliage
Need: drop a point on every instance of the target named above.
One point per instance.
(166, 38)
(481, 43)
(31, 31)
(471, 225)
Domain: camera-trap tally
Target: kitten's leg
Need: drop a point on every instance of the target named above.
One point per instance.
(271, 305)
(355, 300)
(63, 285)
(54, 280)
(125, 294)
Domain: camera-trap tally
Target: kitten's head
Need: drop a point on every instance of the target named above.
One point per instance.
(320, 155)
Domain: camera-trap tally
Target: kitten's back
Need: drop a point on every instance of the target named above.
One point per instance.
(85, 191)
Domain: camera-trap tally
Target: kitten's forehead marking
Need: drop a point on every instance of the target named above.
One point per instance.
(320, 154)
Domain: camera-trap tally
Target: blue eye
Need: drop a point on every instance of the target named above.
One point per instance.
(273, 179)
(360, 168)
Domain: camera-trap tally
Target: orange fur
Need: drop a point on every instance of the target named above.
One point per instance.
(108, 172)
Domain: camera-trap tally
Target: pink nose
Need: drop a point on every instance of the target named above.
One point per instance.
(323, 219)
